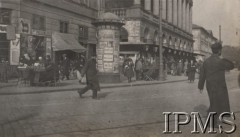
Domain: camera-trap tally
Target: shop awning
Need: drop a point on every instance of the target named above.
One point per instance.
(62, 41)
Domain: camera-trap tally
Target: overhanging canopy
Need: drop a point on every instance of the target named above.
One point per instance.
(62, 41)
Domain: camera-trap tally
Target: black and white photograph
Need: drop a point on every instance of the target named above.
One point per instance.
(119, 68)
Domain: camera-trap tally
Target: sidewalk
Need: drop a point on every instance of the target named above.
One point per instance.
(69, 85)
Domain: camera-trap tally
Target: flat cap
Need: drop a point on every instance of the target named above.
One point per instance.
(216, 45)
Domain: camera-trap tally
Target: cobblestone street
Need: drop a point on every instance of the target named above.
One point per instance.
(120, 112)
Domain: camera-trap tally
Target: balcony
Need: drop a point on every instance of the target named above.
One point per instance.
(139, 13)
(120, 12)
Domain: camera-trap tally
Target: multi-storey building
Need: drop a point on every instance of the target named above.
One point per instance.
(203, 39)
(140, 33)
(32, 23)
(34, 26)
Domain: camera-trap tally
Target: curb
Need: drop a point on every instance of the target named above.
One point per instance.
(102, 87)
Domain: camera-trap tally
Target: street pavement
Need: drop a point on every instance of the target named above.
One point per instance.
(134, 111)
(13, 87)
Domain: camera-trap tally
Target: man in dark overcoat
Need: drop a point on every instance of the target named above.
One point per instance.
(213, 72)
(65, 67)
(91, 76)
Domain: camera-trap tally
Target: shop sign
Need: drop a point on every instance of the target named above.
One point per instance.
(3, 28)
(38, 32)
(15, 50)
(24, 26)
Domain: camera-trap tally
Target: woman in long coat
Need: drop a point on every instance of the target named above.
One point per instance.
(191, 72)
(128, 69)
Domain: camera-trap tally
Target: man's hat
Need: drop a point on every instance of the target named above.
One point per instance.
(216, 46)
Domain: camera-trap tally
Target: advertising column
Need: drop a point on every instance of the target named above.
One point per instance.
(108, 53)
(107, 50)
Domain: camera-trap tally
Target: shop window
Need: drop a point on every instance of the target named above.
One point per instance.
(4, 48)
(5, 16)
(123, 35)
(152, 6)
(33, 45)
(146, 35)
(38, 22)
(63, 27)
(142, 3)
(156, 39)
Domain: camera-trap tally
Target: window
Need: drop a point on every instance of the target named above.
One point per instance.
(4, 48)
(38, 22)
(83, 31)
(142, 3)
(63, 27)
(5, 16)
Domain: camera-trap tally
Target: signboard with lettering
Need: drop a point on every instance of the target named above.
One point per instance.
(24, 26)
(15, 50)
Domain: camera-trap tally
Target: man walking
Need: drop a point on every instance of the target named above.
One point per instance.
(91, 76)
(213, 72)
(65, 67)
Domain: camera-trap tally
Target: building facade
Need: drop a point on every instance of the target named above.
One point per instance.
(203, 39)
(28, 26)
(31, 23)
(140, 34)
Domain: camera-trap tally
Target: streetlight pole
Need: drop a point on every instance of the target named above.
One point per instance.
(161, 74)
(220, 32)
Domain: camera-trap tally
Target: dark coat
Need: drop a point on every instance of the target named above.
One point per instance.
(91, 74)
(128, 68)
(191, 72)
(213, 72)
(66, 66)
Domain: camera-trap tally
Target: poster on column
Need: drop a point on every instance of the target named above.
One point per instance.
(15, 50)
(108, 67)
(108, 58)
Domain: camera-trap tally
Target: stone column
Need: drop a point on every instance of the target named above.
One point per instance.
(175, 12)
(190, 19)
(147, 5)
(179, 13)
(183, 14)
(187, 17)
(170, 11)
(156, 7)
(164, 9)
